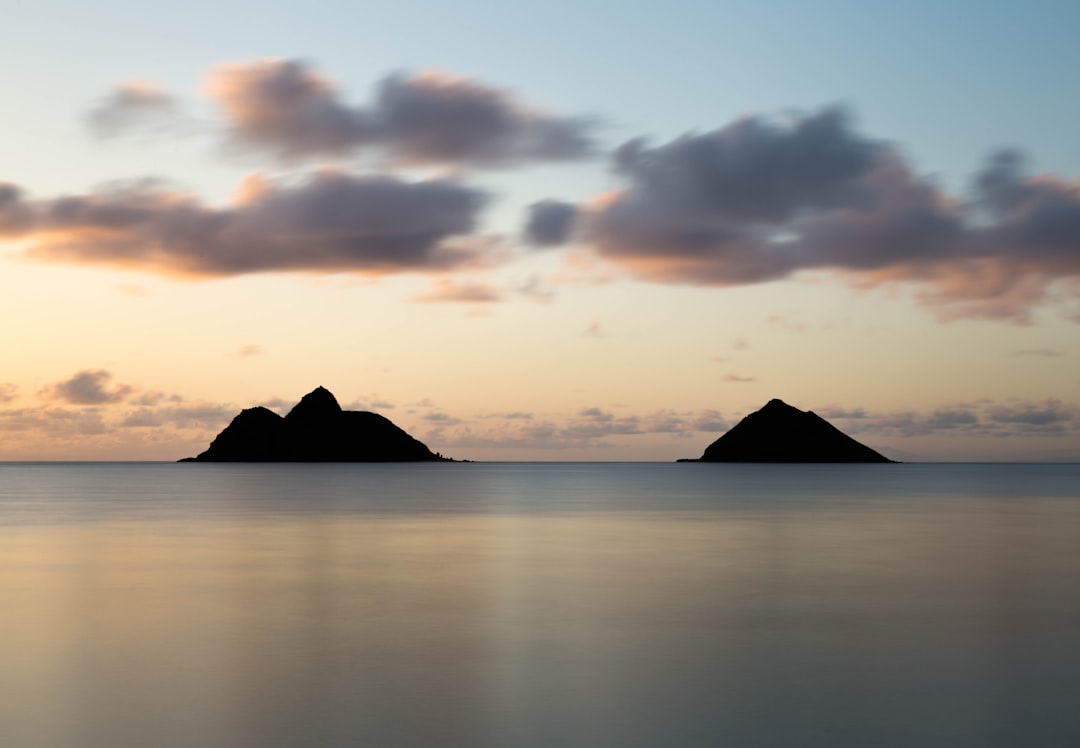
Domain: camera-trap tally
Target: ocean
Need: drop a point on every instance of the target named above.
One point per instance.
(539, 605)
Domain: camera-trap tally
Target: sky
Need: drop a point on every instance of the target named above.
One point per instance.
(541, 231)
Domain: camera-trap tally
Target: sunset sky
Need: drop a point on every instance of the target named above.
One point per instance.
(541, 231)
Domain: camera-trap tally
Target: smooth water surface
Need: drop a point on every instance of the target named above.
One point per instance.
(539, 605)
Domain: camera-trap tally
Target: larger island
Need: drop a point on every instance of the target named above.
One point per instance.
(315, 430)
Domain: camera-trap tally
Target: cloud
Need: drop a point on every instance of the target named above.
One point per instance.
(436, 117)
(735, 378)
(550, 223)
(710, 421)
(912, 423)
(1048, 418)
(56, 423)
(760, 200)
(1050, 414)
(370, 403)
(443, 419)
(87, 387)
(706, 208)
(282, 106)
(8, 392)
(590, 427)
(594, 329)
(835, 411)
(595, 414)
(154, 397)
(460, 292)
(784, 321)
(16, 216)
(285, 108)
(247, 351)
(135, 107)
(148, 425)
(535, 289)
(189, 415)
(756, 200)
(325, 222)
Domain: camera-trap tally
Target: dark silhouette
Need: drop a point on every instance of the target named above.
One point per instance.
(316, 430)
(781, 433)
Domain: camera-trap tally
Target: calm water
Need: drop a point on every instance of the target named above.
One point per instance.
(539, 605)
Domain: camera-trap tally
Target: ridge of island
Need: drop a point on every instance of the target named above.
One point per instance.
(315, 430)
(779, 432)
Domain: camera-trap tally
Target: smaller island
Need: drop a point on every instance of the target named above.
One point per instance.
(779, 432)
(315, 430)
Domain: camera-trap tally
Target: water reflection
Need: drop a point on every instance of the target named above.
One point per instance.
(857, 621)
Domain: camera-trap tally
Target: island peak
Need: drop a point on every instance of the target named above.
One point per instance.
(317, 404)
(315, 430)
(779, 432)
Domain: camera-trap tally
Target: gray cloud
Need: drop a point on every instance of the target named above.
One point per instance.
(535, 289)
(443, 419)
(1050, 417)
(84, 419)
(754, 170)
(437, 117)
(286, 108)
(756, 201)
(136, 107)
(283, 107)
(834, 411)
(372, 403)
(16, 216)
(590, 427)
(87, 387)
(951, 418)
(154, 397)
(328, 222)
(59, 423)
(595, 414)
(1051, 414)
(1035, 221)
(550, 223)
(710, 421)
(186, 416)
(913, 423)
(446, 290)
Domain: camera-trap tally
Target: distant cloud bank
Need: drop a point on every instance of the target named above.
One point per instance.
(92, 410)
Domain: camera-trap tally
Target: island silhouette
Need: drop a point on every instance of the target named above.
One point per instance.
(315, 430)
(779, 432)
